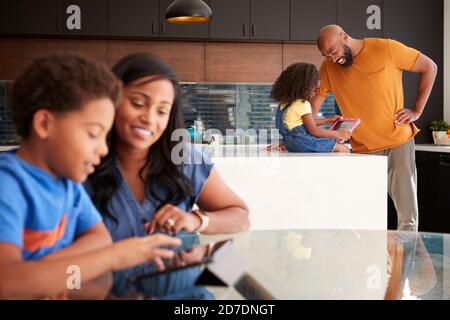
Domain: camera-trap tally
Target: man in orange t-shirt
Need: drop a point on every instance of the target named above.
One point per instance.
(365, 76)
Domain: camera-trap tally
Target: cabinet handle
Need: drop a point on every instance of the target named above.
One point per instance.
(162, 28)
(153, 27)
(57, 25)
(444, 164)
(253, 30)
(444, 160)
(245, 29)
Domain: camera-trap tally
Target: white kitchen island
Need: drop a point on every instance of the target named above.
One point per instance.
(304, 190)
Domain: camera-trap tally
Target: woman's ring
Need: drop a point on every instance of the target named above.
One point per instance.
(170, 222)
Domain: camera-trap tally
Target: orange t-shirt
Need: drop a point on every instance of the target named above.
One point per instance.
(371, 89)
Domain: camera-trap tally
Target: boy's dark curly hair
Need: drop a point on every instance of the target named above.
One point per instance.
(60, 82)
(296, 82)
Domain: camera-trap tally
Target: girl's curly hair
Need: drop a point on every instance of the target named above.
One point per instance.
(296, 82)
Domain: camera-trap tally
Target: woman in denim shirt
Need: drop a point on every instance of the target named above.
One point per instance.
(139, 189)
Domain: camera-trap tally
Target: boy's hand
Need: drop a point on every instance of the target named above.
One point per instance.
(343, 135)
(133, 251)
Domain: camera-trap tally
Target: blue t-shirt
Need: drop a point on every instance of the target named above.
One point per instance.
(38, 213)
(131, 217)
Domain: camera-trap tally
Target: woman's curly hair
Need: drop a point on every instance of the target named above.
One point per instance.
(296, 82)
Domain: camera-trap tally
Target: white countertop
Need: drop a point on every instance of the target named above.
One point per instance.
(432, 148)
(256, 150)
(6, 148)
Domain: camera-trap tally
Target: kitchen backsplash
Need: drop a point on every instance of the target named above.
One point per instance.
(7, 130)
(207, 105)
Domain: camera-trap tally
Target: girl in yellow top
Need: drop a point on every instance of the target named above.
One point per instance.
(294, 88)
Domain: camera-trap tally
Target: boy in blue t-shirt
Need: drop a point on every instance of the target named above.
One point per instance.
(63, 107)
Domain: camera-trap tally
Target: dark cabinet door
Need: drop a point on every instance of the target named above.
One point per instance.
(361, 18)
(269, 19)
(9, 17)
(92, 17)
(308, 17)
(133, 18)
(392, 215)
(176, 30)
(433, 173)
(427, 189)
(231, 19)
(419, 24)
(41, 17)
(444, 190)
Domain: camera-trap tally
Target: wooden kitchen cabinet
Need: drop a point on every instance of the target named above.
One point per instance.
(49, 17)
(444, 189)
(308, 17)
(433, 180)
(428, 191)
(250, 19)
(41, 17)
(176, 30)
(133, 18)
(94, 17)
(9, 17)
(231, 19)
(433, 170)
(356, 17)
(269, 19)
(243, 62)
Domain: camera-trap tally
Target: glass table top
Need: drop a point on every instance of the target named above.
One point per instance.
(341, 264)
(305, 265)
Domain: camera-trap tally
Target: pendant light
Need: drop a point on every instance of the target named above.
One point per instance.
(188, 11)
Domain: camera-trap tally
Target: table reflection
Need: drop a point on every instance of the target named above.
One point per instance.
(345, 264)
(313, 264)
(135, 283)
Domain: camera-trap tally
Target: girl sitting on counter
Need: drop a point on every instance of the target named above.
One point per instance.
(294, 88)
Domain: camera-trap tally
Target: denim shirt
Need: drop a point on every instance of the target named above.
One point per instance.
(131, 216)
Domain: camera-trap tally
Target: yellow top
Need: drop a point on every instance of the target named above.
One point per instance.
(371, 89)
(293, 115)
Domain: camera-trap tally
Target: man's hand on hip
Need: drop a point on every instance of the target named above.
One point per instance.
(405, 116)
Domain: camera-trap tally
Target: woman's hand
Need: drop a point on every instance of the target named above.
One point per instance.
(133, 251)
(172, 219)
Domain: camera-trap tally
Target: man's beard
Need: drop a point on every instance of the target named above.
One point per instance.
(348, 56)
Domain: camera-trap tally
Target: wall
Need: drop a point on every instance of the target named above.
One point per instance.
(218, 106)
(241, 62)
(199, 62)
(193, 61)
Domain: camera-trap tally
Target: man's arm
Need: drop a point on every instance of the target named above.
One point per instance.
(428, 71)
(316, 103)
